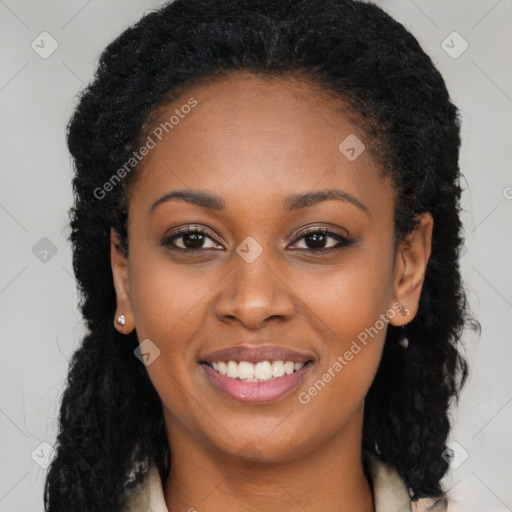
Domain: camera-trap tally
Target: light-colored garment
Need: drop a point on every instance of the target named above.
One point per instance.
(389, 491)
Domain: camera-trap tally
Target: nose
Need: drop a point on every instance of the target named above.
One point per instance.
(254, 294)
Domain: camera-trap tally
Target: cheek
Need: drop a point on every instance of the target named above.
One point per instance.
(165, 309)
(168, 306)
(349, 297)
(166, 298)
(349, 306)
(351, 349)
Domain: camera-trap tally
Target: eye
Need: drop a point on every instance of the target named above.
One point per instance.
(318, 237)
(192, 239)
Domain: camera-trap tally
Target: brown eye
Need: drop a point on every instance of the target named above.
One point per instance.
(192, 239)
(316, 239)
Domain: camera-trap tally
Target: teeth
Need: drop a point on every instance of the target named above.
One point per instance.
(261, 371)
(245, 370)
(289, 367)
(232, 370)
(278, 369)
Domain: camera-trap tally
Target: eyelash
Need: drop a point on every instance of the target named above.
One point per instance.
(187, 230)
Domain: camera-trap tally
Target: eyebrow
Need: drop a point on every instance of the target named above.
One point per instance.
(291, 203)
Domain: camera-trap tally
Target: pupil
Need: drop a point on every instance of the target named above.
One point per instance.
(194, 240)
(319, 240)
(196, 237)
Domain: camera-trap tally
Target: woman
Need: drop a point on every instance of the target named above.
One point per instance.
(266, 234)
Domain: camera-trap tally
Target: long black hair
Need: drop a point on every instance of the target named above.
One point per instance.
(111, 418)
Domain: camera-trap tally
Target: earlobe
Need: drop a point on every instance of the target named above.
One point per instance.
(411, 264)
(123, 319)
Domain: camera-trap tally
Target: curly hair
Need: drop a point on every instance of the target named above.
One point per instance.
(111, 418)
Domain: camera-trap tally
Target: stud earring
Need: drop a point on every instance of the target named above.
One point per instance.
(121, 320)
(404, 310)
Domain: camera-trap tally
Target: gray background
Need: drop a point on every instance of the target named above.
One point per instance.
(40, 326)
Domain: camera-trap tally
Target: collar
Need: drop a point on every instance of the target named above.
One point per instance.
(389, 490)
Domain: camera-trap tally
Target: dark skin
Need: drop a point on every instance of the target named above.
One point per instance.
(254, 143)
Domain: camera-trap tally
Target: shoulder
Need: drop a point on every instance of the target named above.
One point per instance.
(390, 491)
(146, 496)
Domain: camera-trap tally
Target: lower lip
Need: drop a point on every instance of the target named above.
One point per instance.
(257, 392)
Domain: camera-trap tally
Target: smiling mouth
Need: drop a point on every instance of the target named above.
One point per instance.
(261, 371)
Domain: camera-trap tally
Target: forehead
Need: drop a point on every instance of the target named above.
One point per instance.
(246, 135)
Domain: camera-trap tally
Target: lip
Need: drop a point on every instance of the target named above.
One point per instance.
(256, 353)
(256, 392)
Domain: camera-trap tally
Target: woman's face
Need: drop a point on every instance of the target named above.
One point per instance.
(262, 274)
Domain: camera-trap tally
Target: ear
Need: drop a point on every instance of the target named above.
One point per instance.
(411, 262)
(119, 263)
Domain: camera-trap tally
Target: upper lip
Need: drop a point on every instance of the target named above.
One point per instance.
(256, 353)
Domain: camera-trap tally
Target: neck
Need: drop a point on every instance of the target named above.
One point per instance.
(329, 477)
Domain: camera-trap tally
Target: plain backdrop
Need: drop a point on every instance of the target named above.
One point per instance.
(40, 326)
